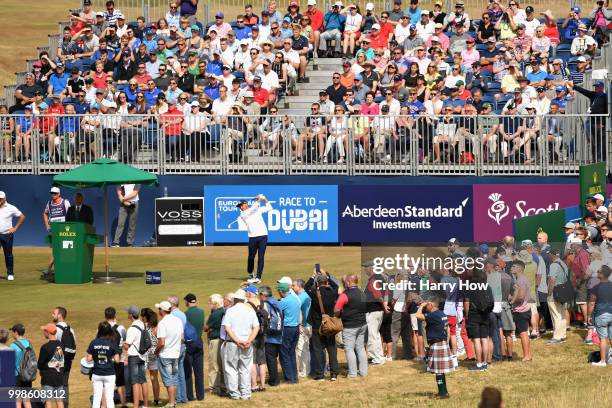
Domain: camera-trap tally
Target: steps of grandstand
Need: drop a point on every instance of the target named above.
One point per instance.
(319, 74)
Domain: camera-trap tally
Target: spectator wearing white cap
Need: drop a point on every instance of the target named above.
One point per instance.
(425, 27)
(239, 328)
(169, 338)
(8, 212)
(583, 44)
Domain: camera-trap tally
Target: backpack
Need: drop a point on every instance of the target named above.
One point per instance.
(145, 343)
(275, 325)
(69, 343)
(190, 333)
(29, 364)
(262, 317)
(484, 303)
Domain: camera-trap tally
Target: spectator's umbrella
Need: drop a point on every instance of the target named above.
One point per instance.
(103, 173)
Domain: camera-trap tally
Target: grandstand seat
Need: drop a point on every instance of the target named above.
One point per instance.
(472, 34)
(564, 47)
(494, 86)
(489, 98)
(481, 47)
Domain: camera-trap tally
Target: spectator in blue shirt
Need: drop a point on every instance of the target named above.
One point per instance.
(273, 339)
(150, 40)
(303, 344)
(242, 31)
(333, 26)
(151, 93)
(215, 66)
(292, 326)
(560, 98)
(454, 101)
(537, 76)
(571, 23)
(18, 331)
(212, 89)
(59, 80)
(414, 11)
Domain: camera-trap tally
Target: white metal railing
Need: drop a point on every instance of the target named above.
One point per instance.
(334, 145)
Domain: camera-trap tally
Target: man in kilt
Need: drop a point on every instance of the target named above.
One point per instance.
(439, 361)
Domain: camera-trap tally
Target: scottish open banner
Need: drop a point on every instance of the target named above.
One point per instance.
(300, 213)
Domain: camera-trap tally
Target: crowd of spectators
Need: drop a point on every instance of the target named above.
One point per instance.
(403, 70)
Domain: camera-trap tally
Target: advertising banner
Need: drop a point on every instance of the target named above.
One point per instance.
(179, 221)
(497, 205)
(300, 213)
(592, 181)
(550, 222)
(370, 214)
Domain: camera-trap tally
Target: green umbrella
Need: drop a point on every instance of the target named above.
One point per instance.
(103, 173)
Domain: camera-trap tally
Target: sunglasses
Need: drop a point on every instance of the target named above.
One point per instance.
(240, 22)
(314, 109)
(183, 66)
(254, 53)
(81, 95)
(140, 97)
(389, 93)
(273, 111)
(182, 99)
(336, 77)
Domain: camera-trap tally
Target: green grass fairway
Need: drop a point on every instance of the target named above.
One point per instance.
(558, 376)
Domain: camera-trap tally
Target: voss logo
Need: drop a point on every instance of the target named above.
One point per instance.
(180, 214)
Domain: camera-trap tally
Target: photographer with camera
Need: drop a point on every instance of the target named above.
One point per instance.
(572, 22)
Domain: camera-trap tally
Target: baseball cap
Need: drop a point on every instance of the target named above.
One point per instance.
(459, 83)
(425, 13)
(577, 10)
(239, 294)
(190, 298)
(599, 197)
(287, 20)
(37, 64)
(254, 28)
(384, 108)
(312, 2)
(526, 243)
(132, 310)
(338, 3)
(581, 59)
(195, 104)
(358, 77)
(599, 84)
(376, 26)
(569, 225)
(491, 39)
(94, 106)
(582, 27)
(435, 38)
(60, 65)
(120, 16)
(323, 93)
(2, 194)
(487, 105)
(602, 208)
(257, 78)
(528, 9)
(412, 26)
(285, 279)
(49, 328)
(99, 14)
(251, 289)
(195, 28)
(150, 31)
(248, 94)
(369, 6)
(483, 248)
(43, 106)
(471, 40)
(219, 15)
(283, 287)
(521, 25)
(453, 241)
(163, 305)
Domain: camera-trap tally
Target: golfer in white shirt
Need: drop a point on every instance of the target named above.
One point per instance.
(258, 234)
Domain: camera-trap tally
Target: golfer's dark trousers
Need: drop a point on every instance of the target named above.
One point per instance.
(6, 241)
(272, 355)
(257, 245)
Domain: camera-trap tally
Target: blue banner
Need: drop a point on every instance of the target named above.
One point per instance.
(300, 213)
(370, 214)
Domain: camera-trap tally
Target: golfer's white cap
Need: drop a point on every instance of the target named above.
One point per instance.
(54, 190)
(2, 194)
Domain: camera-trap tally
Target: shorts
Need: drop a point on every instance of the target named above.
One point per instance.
(478, 325)
(54, 393)
(603, 325)
(416, 324)
(385, 328)
(119, 374)
(521, 321)
(507, 321)
(153, 365)
(581, 293)
(452, 325)
(534, 308)
(168, 369)
(22, 384)
(259, 351)
(136, 368)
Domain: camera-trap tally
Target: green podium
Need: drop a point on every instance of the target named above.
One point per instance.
(73, 249)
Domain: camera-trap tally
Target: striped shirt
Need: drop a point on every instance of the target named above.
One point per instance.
(112, 18)
(577, 77)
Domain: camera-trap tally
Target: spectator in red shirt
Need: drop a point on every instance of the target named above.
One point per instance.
(172, 124)
(377, 39)
(250, 19)
(579, 268)
(141, 77)
(464, 93)
(370, 108)
(316, 19)
(56, 107)
(261, 96)
(76, 25)
(386, 28)
(99, 76)
(46, 128)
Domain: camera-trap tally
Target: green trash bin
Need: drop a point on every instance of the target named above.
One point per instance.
(73, 249)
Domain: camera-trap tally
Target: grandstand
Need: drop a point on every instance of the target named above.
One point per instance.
(280, 137)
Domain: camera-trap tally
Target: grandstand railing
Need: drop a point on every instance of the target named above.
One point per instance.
(153, 10)
(355, 145)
